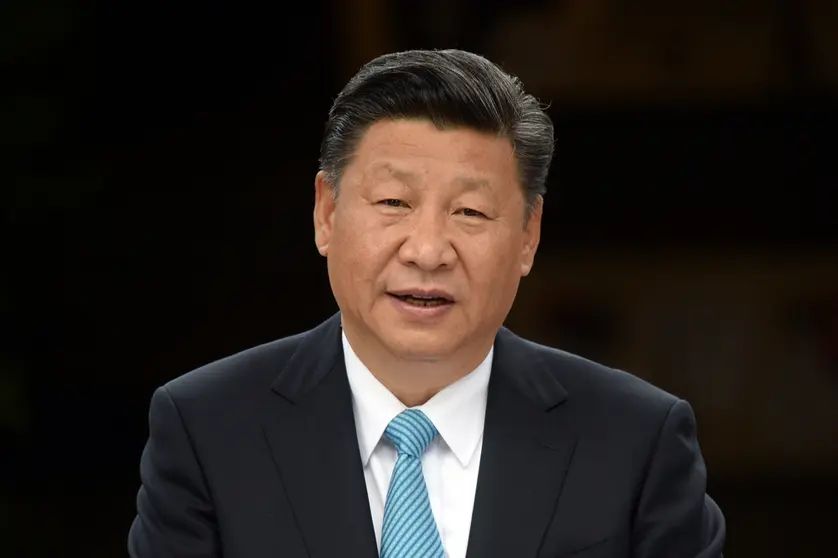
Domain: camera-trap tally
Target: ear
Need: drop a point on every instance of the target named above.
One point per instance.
(532, 236)
(324, 213)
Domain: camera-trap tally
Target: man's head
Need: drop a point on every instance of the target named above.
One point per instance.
(433, 170)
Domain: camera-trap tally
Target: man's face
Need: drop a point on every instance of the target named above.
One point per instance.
(427, 240)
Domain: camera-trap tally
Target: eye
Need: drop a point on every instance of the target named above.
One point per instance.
(393, 203)
(468, 212)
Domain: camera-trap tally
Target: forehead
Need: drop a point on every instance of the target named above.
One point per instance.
(417, 147)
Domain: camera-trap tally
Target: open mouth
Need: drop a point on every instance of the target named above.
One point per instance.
(420, 300)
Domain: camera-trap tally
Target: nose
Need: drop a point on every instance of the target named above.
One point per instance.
(427, 244)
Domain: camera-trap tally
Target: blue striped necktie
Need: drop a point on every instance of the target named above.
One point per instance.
(409, 529)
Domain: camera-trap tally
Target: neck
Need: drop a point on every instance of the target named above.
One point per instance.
(415, 381)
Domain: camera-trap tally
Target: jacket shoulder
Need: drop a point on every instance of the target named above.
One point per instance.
(241, 373)
(596, 385)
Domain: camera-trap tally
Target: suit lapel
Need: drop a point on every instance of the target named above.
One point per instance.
(314, 444)
(527, 447)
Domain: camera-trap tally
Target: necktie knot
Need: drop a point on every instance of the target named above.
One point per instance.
(411, 432)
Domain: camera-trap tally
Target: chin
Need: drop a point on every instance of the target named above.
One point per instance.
(427, 346)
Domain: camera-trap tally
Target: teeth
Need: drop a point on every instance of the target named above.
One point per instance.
(424, 301)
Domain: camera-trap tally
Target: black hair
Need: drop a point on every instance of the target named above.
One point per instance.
(450, 88)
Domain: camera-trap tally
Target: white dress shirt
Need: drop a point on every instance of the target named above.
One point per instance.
(451, 462)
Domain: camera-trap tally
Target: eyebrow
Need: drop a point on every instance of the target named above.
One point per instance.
(401, 175)
(407, 177)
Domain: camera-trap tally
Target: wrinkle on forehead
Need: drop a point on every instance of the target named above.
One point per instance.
(409, 152)
(387, 169)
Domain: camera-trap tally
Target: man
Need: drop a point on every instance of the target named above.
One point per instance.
(412, 423)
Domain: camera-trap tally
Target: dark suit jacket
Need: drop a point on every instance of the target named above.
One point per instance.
(256, 456)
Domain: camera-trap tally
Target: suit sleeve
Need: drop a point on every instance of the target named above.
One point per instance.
(175, 516)
(675, 517)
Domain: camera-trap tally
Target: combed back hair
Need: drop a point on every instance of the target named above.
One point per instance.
(450, 88)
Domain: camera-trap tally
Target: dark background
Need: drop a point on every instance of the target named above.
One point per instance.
(157, 172)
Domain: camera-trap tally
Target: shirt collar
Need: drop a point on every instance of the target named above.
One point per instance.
(458, 411)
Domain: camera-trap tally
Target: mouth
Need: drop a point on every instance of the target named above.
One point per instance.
(423, 299)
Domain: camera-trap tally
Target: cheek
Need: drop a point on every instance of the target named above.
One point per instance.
(493, 268)
(361, 253)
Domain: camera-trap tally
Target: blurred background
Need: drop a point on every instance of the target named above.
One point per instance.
(157, 184)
